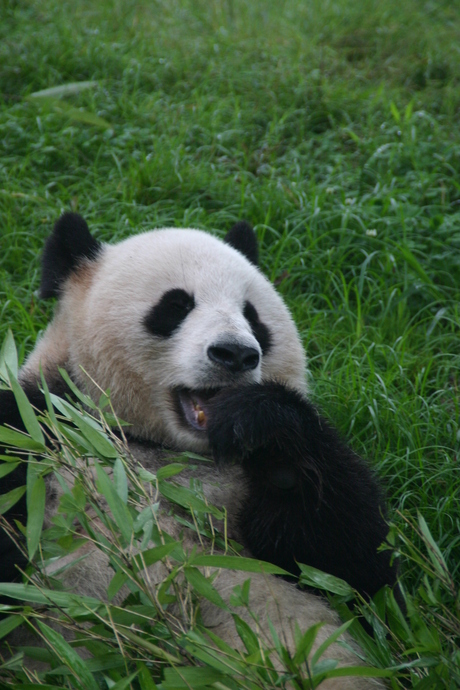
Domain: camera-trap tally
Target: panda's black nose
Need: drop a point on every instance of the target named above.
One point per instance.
(233, 357)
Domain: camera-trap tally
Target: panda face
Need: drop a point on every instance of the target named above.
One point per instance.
(165, 320)
(233, 356)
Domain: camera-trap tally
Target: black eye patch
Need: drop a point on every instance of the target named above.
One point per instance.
(259, 329)
(168, 314)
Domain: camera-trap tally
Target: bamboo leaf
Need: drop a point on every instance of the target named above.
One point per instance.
(146, 681)
(187, 498)
(119, 510)
(190, 677)
(147, 476)
(17, 590)
(69, 657)
(91, 430)
(170, 470)
(358, 671)
(49, 404)
(120, 480)
(116, 583)
(249, 565)
(43, 686)
(317, 578)
(124, 682)
(85, 399)
(17, 439)
(8, 357)
(247, 635)
(203, 587)
(36, 496)
(104, 662)
(8, 467)
(230, 661)
(98, 440)
(330, 640)
(8, 624)
(153, 555)
(146, 515)
(10, 499)
(26, 410)
(154, 649)
(306, 643)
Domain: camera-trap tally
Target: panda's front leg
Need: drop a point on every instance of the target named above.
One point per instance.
(310, 498)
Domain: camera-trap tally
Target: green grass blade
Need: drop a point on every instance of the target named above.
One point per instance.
(71, 88)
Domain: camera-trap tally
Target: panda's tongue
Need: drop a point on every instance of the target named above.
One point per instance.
(194, 408)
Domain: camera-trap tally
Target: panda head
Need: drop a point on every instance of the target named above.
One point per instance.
(164, 320)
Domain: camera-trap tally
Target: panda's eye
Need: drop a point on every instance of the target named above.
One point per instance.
(259, 329)
(168, 314)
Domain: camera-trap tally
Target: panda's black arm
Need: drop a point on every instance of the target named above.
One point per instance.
(310, 498)
(11, 556)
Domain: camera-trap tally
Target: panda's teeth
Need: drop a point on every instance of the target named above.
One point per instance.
(199, 413)
(193, 407)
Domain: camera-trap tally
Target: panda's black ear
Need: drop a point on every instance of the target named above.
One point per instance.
(243, 238)
(70, 243)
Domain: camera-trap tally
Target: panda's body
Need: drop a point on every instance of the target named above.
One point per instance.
(201, 354)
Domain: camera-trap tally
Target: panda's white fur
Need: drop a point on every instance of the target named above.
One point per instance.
(98, 331)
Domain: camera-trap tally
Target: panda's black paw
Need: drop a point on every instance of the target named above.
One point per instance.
(253, 417)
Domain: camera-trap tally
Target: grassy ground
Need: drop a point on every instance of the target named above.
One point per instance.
(332, 126)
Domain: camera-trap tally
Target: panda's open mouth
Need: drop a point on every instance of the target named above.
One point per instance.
(192, 406)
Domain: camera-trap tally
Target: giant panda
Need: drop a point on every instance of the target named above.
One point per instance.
(201, 354)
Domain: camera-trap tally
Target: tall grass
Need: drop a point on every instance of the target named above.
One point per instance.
(333, 128)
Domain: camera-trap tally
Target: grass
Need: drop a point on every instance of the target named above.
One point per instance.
(333, 128)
